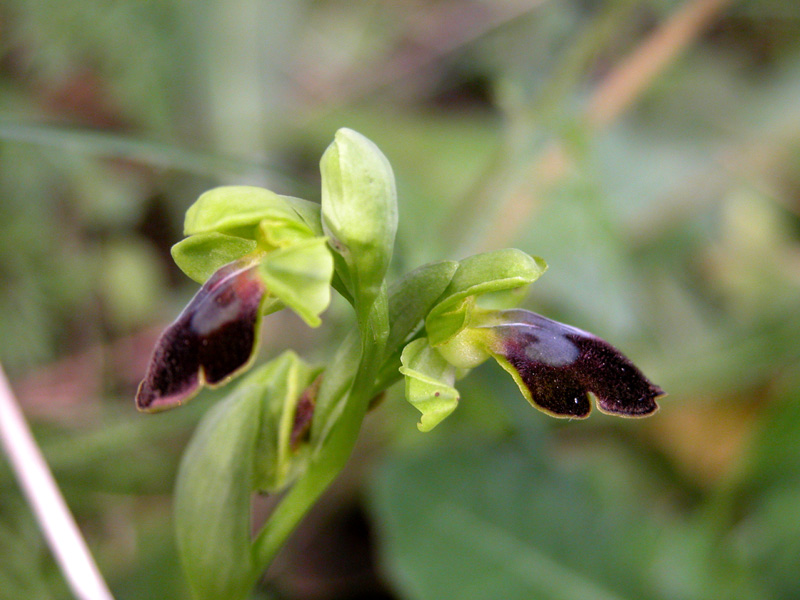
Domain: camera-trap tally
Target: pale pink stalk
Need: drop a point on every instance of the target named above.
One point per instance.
(48, 505)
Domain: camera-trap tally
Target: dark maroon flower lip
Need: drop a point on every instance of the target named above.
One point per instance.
(559, 367)
(212, 340)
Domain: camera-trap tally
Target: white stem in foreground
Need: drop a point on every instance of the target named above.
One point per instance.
(48, 504)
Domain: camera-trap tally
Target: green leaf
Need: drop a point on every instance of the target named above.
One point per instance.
(490, 273)
(200, 255)
(490, 520)
(429, 383)
(359, 213)
(300, 276)
(237, 206)
(212, 497)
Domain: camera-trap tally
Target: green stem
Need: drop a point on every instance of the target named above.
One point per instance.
(336, 450)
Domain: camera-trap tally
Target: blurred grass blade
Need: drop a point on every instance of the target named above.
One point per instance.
(110, 145)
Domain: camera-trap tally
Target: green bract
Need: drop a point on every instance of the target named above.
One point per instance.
(411, 298)
(212, 497)
(359, 213)
(288, 394)
(243, 445)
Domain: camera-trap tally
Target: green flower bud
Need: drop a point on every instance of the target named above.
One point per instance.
(359, 213)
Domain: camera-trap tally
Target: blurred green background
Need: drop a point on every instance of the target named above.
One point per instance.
(648, 150)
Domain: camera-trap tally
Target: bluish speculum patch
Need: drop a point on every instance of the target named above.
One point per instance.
(557, 367)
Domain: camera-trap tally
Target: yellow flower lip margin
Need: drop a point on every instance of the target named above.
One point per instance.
(560, 368)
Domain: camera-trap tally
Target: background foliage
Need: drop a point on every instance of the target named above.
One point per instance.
(649, 151)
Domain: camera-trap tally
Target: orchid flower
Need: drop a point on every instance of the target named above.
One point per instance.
(257, 253)
(558, 368)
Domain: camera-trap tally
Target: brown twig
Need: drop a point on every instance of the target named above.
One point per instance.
(616, 93)
(626, 83)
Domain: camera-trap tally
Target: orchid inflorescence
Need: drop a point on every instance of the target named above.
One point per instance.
(290, 426)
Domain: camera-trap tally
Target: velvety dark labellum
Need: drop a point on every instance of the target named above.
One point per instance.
(561, 365)
(213, 338)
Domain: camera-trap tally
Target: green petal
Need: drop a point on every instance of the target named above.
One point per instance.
(300, 276)
(429, 383)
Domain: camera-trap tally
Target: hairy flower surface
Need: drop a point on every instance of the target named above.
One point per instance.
(211, 340)
(558, 367)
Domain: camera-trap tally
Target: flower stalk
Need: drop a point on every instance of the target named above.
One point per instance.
(289, 427)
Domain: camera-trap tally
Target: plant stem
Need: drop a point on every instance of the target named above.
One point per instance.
(331, 458)
(46, 501)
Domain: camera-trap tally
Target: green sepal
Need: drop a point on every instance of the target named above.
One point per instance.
(359, 213)
(284, 381)
(239, 207)
(496, 273)
(300, 276)
(411, 298)
(277, 233)
(201, 255)
(429, 383)
(212, 497)
(309, 212)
